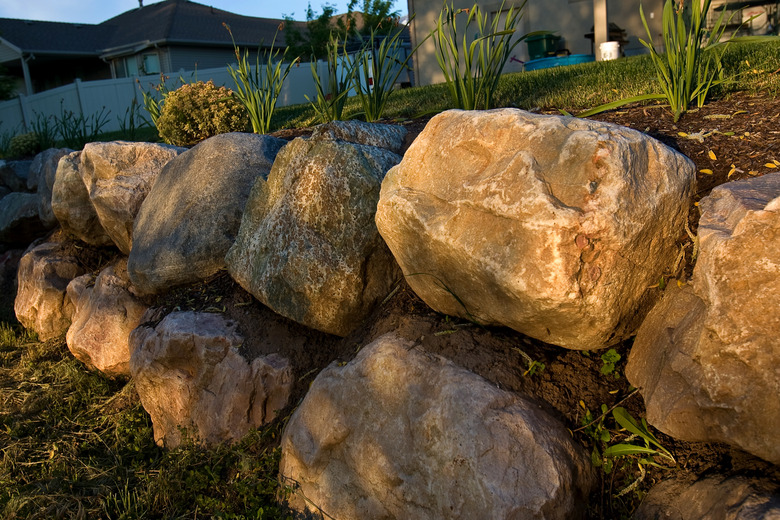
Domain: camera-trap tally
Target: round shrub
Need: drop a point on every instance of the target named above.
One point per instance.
(197, 111)
(23, 145)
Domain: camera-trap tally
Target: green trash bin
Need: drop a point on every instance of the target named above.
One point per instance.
(542, 46)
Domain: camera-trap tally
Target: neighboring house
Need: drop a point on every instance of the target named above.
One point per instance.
(573, 21)
(159, 38)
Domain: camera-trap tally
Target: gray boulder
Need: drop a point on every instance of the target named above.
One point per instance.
(706, 357)
(401, 433)
(71, 205)
(552, 226)
(19, 220)
(389, 137)
(191, 376)
(42, 303)
(14, 174)
(4, 191)
(106, 312)
(712, 498)
(44, 171)
(118, 176)
(308, 247)
(191, 217)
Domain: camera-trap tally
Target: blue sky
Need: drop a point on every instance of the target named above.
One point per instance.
(96, 11)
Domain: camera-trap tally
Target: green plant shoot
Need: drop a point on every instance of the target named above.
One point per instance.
(331, 98)
(376, 71)
(652, 446)
(258, 89)
(472, 70)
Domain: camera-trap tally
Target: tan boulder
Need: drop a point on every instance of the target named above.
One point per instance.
(42, 303)
(118, 176)
(191, 217)
(552, 226)
(191, 376)
(706, 357)
(106, 312)
(714, 497)
(308, 247)
(401, 433)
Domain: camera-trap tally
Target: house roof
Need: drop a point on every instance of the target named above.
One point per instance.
(54, 37)
(169, 22)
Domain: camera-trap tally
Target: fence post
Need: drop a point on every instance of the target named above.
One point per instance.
(24, 108)
(78, 95)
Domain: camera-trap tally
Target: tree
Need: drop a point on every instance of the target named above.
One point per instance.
(313, 42)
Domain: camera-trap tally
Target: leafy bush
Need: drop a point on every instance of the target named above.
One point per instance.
(23, 145)
(199, 110)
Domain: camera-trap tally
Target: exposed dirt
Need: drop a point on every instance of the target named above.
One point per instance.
(733, 139)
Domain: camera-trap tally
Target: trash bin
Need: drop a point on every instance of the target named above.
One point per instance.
(542, 46)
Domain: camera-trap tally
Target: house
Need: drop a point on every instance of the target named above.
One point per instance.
(164, 37)
(573, 21)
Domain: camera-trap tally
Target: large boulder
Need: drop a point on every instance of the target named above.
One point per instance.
(401, 433)
(14, 174)
(308, 247)
(713, 498)
(706, 358)
(553, 226)
(389, 137)
(191, 377)
(19, 220)
(106, 312)
(118, 176)
(44, 171)
(71, 205)
(191, 217)
(42, 303)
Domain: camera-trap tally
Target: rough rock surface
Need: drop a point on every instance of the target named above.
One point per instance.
(42, 303)
(389, 137)
(19, 220)
(118, 176)
(4, 191)
(44, 171)
(706, 358)
(553, 226)
(71, 205)
(189, 374)
(191, 217)
(105, 313)
(14, 174)
(308, 247)
(713, 498)
(401, 433)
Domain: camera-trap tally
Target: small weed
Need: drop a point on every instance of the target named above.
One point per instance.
(610, 358)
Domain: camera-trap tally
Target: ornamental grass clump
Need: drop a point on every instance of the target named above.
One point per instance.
(197, 111)
(472, 68)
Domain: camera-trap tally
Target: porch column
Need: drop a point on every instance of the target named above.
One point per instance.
(600, 25)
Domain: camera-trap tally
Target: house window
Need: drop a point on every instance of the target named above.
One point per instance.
(151, 63)
(130, 66)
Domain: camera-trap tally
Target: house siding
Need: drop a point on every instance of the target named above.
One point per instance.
(570, 19)
(190, 58)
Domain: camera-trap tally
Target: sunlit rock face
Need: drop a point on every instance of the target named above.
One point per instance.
(706, 358)
(553, 226)
(401, 433)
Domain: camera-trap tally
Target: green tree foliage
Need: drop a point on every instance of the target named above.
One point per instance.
(376, 15)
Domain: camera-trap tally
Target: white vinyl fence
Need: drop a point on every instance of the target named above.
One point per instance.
(115, 96)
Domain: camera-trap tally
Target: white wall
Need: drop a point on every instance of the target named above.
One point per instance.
(116, 96)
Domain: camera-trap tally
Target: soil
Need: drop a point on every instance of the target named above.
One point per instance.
(729, 139)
